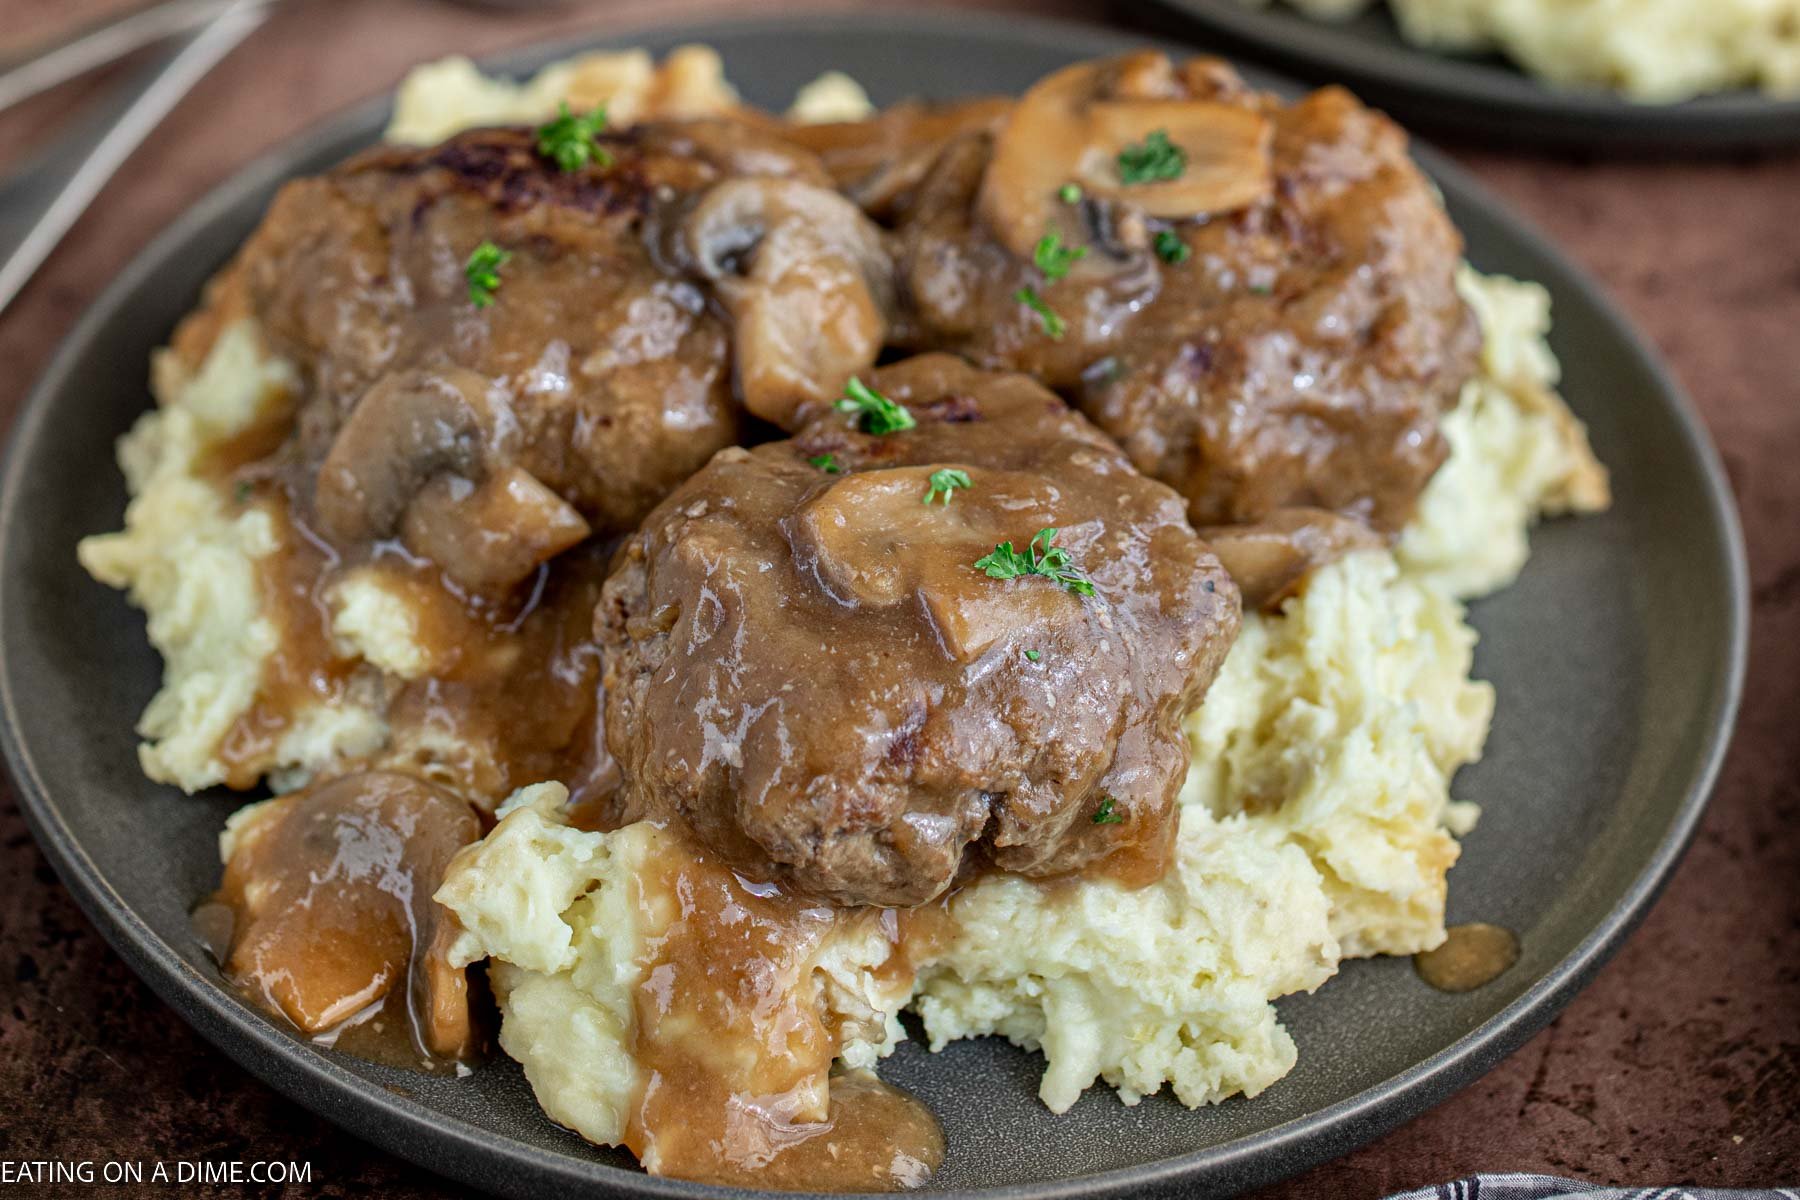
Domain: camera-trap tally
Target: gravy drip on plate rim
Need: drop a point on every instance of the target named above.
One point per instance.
(1471, 955)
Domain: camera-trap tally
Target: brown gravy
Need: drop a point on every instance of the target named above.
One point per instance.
(1471, 956)
(517, 678)
(736, 1053)
(514, 676)
(304, 668)
(325, 918)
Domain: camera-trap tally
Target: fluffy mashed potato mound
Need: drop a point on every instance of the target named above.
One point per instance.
(1516, 451)
(1337, 725)
(562, 917)
(445, 97)
(188, 557)
(1166, 983)
(1652, 51)
(833, 96)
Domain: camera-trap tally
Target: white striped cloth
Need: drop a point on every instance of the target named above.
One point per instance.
(1549, 1187)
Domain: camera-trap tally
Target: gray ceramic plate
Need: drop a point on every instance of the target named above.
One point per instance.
(1472, 95)
(1617, 658)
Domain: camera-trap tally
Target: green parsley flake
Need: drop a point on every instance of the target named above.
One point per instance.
(875, 412)
(1069, 193)
(1105, 815)
(826, 463)
(1052, 562)
(1053, 258)
(483, 273)
(571, 141)
(944, 482)
(1170, 248)
(1153, 160)
(1053, 324)
(1033, 655)
(244, 490)
(1261, 289)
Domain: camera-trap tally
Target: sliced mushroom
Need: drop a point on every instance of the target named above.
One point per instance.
(408, 428)
(871, 540)
(1071, 127)
(866, 536)
(1270, 558)
(807, 283)
(491, 535)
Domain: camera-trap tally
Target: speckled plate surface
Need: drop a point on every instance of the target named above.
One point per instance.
(1481, 95)
(1618, 658)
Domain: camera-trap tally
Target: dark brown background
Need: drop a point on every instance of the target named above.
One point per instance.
(1680, 1064)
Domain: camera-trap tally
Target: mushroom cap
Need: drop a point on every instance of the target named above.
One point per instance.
(1071, 126)
(807, 282)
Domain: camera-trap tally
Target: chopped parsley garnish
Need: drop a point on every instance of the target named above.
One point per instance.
(244, 490)
(944, 482)
(483, 273)
(1053, 324)
(1053, 258)
(1261, 289)
(1033, 655)
(1170, 248)
(1052, 562)
(1069, 193)
(1152, 160)
(875, 412)
(826, 463)
(571, 141)
(1104, 815)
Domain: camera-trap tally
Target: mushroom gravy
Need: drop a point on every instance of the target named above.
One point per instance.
(734, 1048)
(510, 693)
(325, 916)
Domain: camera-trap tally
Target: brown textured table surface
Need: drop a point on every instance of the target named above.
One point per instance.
(1681, 1063)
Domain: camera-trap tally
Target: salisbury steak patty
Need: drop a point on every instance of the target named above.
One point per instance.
(804, 661)
(1254, 298)
(492, 422)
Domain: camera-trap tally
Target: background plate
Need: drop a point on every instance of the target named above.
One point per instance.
(1471, 95)
(1618, 659)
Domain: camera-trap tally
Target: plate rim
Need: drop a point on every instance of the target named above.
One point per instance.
(449, 1146)
(1414, 79)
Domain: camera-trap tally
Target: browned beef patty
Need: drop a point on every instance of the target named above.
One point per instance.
(803, 661)
(597, 371)
(1276, 327)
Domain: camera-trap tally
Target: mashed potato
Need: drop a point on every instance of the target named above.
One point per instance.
(1516, 451)
(1654, 51)
(561, 915)
(1337, 724)
(188, 557)
(1168, 983)
(450, 95)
